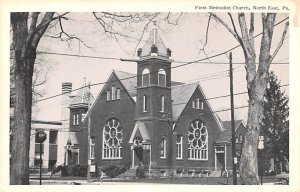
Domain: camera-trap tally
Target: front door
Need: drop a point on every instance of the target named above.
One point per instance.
(220, 161)
(138, 150)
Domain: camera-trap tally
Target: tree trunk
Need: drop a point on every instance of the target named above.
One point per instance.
(19, 168)
(248, 164)
(25, 42)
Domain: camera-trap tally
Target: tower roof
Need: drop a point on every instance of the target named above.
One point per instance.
(81, 98)
(154, 39)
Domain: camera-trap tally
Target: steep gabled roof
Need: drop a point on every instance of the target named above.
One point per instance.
(154, 39)
(181, 94)
(225, 136)
(128, 80)
(81, 98)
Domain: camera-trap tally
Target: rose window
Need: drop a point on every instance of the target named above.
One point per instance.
(197, 141)
(112, 139)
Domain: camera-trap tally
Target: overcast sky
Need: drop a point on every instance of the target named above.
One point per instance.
(185, 40)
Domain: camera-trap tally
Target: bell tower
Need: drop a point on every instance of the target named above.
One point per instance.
(154, 79)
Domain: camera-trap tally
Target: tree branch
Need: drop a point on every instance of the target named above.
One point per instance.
(176, 20)
(266, 40)
(69, 37)
(251, 29)
(32, 28)
(206, 34)
(41, 28)
(280, 43)
(225, 25)
(235, 31)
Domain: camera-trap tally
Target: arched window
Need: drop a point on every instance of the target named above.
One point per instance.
(163, 148)
(193, 104)
(241, 138)
(162, 78)
(92, 148)
(108, 95)
(145, 78)
(162, 104)
(118, 93)
(179, 147)
(145, 103)
(112, 140)
(197, 141)
(113, 93)
(201, 105)
(197, 103)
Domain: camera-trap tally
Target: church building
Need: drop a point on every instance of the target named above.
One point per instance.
(146, 117)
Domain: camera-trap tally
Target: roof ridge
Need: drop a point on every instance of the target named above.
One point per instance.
(184, 83)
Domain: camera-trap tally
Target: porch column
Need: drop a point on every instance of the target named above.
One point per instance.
(150, 161)
(215, 158)
(225, 157)
(132, 148)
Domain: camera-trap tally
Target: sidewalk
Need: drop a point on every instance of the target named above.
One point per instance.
(56, 180)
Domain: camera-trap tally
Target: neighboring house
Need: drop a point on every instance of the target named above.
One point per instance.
(49, 147)
(146, 117)
(223, 144)
(57, 132)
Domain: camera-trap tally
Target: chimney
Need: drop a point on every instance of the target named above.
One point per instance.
(63, 135)
(66, 87)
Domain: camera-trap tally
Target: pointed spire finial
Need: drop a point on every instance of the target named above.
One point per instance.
(84, 81)
(155, 31)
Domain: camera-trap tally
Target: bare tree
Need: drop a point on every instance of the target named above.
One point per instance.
(257, 78)
(26, 40)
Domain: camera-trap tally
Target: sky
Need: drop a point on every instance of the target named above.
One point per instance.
(186, 40)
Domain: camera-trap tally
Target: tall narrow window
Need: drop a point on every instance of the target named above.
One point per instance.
(197, 103)
(162, 78)
(193, 104)
(53, 137)
(113, 93)
(76, 119)
(108, 95)
(178, 147)
(241, 138)
(201, 105)
(92, 148)
(162, 104)
(163, 148)
(145, 78)
(118, 93)
(144, 103)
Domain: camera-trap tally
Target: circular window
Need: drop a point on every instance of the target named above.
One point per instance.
(112, 133)
(197, 134)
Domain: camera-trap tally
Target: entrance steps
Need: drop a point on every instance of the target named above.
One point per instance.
(130, 173)
(216, 173)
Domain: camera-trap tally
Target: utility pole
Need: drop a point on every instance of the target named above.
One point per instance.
(41, 162)
(88, 175)
(234, 160)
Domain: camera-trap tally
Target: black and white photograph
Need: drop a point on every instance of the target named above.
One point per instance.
(185, 98)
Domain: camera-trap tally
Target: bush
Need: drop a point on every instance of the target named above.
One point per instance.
(74, 170)
(113, 171)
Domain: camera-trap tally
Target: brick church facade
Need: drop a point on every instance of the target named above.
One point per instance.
(147, 117)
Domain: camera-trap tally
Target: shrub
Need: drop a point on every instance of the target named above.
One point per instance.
(113, 171)
(74, 170)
